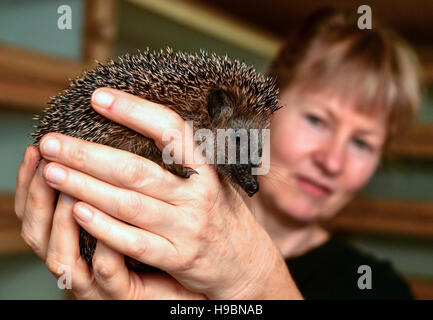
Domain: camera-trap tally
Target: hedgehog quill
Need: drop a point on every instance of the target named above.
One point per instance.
(211, 91)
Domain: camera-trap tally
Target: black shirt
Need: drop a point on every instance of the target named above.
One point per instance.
(330, 271)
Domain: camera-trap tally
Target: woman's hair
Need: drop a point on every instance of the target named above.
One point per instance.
(372, 68)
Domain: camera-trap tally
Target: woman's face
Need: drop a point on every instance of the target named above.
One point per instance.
(322, 152)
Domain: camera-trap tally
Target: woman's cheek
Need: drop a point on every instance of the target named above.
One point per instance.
(299, 140)
(360, 170)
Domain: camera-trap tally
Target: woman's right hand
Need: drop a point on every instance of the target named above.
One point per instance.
(49, 228)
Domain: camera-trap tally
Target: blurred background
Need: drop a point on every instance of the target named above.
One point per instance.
(391, 219)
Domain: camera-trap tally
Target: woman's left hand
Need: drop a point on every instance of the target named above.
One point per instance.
(196, 229)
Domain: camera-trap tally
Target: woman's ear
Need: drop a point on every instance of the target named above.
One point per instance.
(220, 105)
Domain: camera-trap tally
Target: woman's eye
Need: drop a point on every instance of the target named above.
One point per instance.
(315, 120)
(361, 144)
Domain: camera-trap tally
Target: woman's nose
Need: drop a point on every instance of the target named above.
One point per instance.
(330, 157)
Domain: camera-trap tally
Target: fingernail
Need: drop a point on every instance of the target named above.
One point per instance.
(29, 154)
(56, 175)
(83, 213)
(66, 198)
(50, 147)
(40, 169)
(102, 98)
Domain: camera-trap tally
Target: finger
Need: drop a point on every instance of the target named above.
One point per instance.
(150, 119)
(111, 165)
(157, 286)
(115, 281)
(111, 274)
(131, 241)
(38, 213)
(64, 252)
(25, 175)
(130, 206)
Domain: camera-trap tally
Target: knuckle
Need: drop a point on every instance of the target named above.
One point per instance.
(131, 207)
(134, 173)
(102, 269)
(204, 198)
(54, 265)
(30, 240)
(137, 248)
(198, 226)
(188, 260)
(201, 231)
(79, 157)
(37, 198)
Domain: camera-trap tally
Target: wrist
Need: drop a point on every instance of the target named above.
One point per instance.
(268, 278)
(277, 283)
(274, 282)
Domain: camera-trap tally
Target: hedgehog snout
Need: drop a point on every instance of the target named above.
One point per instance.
(252, 187)
(242, 175)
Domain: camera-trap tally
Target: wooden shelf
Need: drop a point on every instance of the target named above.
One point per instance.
(100, 30)
(385, 217)
(29, 78)
(416, 144)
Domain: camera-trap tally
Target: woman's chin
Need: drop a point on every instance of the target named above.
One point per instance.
(304, 212)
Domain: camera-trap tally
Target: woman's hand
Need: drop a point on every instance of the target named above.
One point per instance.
(196, 229)
(49, 228)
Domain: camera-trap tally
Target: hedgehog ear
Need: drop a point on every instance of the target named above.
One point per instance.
(220, 104)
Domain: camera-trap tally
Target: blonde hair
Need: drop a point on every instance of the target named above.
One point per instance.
(373, 68)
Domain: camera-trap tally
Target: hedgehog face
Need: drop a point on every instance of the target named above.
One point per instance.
(228, 112)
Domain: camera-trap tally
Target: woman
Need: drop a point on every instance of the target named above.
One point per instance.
(346, 93)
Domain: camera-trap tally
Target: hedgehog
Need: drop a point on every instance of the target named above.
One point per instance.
(213, 92)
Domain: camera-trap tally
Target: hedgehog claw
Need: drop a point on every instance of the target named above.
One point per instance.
(184, 172)
(188, 172)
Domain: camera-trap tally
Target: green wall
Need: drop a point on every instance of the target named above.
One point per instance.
(33, 25)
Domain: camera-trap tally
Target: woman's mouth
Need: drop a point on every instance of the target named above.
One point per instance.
(313, 187)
